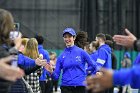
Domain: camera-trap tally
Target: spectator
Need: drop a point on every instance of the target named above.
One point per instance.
(31, 51)
(45, 87)
(53, 59)
(126, 62)
(6, 26)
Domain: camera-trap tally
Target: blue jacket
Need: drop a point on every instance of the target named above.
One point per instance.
(128, 76)
(90, 69)
(72, 62)
(104, 57)
(137, 60)
(94, 55)
(28, 65)
(45, 56)
(25, 61)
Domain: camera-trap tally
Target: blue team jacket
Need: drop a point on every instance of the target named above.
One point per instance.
(128, 76)
(45, 56)
(90, 69)
(94, 55)
(137, 60)
(25, 61)
(72, 63)
(104, 57)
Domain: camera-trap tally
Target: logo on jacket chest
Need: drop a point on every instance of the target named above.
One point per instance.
(63, 57)
(78, 58)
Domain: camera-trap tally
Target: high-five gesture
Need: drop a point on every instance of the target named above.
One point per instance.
(49, 68)
(125, 40)
(40, 62)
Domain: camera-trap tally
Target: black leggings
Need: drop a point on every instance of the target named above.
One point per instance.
(43, 86)
(73, 89)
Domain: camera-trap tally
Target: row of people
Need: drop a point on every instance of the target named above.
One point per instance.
(27, 60)
(121, 77)
(72, 62)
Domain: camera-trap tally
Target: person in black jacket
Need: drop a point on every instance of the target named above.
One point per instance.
(7, 25)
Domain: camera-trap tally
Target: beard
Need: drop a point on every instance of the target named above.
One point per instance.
(97, 43)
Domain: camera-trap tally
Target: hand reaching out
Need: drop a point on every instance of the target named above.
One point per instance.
(125, 40)
(49, 68)
(40, 62)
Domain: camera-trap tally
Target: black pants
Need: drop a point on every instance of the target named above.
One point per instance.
(55, 84)
(43, 86)
(108, 91)
(49, 87)
(105, 91)
(73, 89)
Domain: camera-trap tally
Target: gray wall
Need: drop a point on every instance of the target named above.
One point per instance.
(46, 17)
(50, 17)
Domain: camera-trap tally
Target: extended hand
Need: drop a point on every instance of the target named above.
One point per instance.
(125, 40)
(40, 62)
(8, 72)
(49, 67)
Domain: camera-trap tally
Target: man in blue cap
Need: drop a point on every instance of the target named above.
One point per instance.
(126, 62)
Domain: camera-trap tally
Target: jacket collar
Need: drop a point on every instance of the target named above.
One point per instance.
(70, 48)
(40, 46)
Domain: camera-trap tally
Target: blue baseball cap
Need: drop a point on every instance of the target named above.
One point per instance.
(127, 54)
(70, 31)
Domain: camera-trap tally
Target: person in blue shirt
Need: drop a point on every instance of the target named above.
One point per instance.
(104, 58)
(72, 63)
(118, 77)
(94, 55)
(137, 60)
(45, 54)
(126, 62)
(28, 65)
(25, 62)
(93, 48)
(104, 52)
